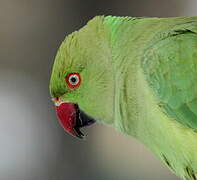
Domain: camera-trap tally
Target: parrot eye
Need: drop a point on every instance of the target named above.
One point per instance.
(73, 80)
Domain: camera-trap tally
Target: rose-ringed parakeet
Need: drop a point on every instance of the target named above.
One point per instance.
(138, 75)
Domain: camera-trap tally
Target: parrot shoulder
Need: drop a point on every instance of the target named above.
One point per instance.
(170, 69)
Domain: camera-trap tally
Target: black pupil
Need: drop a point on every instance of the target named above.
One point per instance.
(73, 79)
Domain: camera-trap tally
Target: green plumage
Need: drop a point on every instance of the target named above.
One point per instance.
(139, 76)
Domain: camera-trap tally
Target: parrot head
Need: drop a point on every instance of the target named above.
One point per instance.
(82, 79)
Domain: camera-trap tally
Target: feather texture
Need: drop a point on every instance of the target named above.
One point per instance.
(139, 76)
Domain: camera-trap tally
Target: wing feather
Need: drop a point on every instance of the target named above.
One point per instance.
(170, 68)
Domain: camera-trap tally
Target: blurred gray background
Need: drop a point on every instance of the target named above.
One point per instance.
(33, 146)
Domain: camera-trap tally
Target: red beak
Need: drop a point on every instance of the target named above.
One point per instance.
(72, 118)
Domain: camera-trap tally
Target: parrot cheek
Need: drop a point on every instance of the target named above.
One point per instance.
(72, 118)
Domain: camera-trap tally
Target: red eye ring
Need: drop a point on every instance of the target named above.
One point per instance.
(73, 80)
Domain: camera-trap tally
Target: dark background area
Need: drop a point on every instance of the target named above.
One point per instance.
(33, 146)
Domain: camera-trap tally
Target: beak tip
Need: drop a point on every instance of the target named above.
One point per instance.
(82, 137)
(78, 133)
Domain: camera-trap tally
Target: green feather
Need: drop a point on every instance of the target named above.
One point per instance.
(139, 76)
(173, 75)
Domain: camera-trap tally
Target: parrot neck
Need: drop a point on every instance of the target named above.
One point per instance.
(127, 45)
(129, 39)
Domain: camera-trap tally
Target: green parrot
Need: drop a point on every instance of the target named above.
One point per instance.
(137, 75)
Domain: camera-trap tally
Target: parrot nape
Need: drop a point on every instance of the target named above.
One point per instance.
(137, 75)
